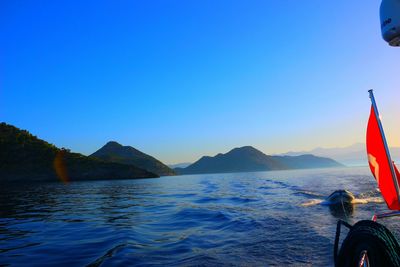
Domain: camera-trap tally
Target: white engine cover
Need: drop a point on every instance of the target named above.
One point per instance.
(390, 21)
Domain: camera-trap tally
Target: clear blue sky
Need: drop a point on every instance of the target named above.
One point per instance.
(182, 79)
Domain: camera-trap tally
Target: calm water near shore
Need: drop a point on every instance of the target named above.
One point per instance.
(238, 219)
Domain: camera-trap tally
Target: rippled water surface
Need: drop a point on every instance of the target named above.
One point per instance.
(239, 219)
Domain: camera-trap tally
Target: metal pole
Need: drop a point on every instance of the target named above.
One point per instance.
(394, 178)
(386, 215)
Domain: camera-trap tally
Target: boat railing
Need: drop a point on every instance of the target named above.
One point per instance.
(385, 215)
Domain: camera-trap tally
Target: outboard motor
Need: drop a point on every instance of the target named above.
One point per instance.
(390, 21)
(340, 197)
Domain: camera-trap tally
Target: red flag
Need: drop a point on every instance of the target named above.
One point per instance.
(397, 173)
(380, 163)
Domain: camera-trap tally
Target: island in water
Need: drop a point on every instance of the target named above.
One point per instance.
(249, 159)
(24, 157)
(115, 152)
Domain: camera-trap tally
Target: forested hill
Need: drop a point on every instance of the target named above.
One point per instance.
(115, 152)
(24, 157)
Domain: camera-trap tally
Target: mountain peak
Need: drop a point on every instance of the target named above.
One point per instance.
(115, 152)
(245, 150)
(28, 158)
(113, 144)
(248, 158)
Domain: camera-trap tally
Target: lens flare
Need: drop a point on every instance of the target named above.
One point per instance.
(60, 167)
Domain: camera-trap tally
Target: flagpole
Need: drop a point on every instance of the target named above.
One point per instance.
(394, 177)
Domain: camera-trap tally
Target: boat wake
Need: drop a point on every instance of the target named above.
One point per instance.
(312, 202)
(368, 200)
(363, 198)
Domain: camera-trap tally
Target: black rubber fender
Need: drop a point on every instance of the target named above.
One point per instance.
(373, 238)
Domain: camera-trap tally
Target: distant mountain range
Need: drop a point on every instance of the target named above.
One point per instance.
(115, 152)
(249, 159)
(24, 157)
(354, 155)
(179, 165)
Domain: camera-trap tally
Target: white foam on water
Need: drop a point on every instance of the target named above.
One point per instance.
(368, 200)
(312, 202)
(364, 200)
(310, 193)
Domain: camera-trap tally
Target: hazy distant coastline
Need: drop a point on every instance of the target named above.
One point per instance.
(354, 155)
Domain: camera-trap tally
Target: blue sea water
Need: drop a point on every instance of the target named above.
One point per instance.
(236, 219)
